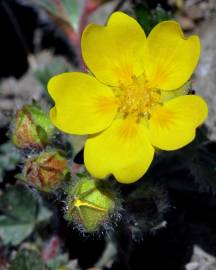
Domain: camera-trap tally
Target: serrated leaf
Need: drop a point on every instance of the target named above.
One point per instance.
(12, 232)
(20, 212)
(19, 204)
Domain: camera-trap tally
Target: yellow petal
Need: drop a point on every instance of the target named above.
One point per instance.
(172, 58)
(173, 125)
(123, 150)
(114, 53)
(82, 104)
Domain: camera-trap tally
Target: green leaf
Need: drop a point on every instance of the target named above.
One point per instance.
(67, 10)
(74, 10)
(27, 260)
(20, 212)
(21, 208)
(9, 158)
(149, 18)
(143, 16)
(59, 261)
(43, 75)
(44, 214)
(58, 65)
(160, 14)
(13, 232)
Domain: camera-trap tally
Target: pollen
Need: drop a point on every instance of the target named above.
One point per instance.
(137, 99)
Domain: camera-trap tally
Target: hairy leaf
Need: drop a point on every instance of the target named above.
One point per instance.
(20, 211)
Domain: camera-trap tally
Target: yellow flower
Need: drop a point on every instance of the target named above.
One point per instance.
(121, 104)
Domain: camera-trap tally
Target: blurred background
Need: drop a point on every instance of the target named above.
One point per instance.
(41, 38)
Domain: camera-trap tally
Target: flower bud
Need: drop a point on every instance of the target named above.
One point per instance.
(89, 204)
(32, 128)
(46, 171)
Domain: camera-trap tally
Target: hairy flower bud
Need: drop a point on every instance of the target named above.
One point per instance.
(46, 171)
(89, 204)
(32, 128)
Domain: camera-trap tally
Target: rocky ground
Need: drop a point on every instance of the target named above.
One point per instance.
(205, 81)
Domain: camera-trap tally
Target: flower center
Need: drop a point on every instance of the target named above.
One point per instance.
(138, 99)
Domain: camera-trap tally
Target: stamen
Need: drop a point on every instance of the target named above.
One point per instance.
(137, 99)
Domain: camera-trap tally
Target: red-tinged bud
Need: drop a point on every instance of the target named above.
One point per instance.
(46, 171)
(32, 128)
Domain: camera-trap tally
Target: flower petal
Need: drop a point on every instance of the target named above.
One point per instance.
(173, 125)
(114, 53)
(123, 149)
(172, 58)
(82, 104)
